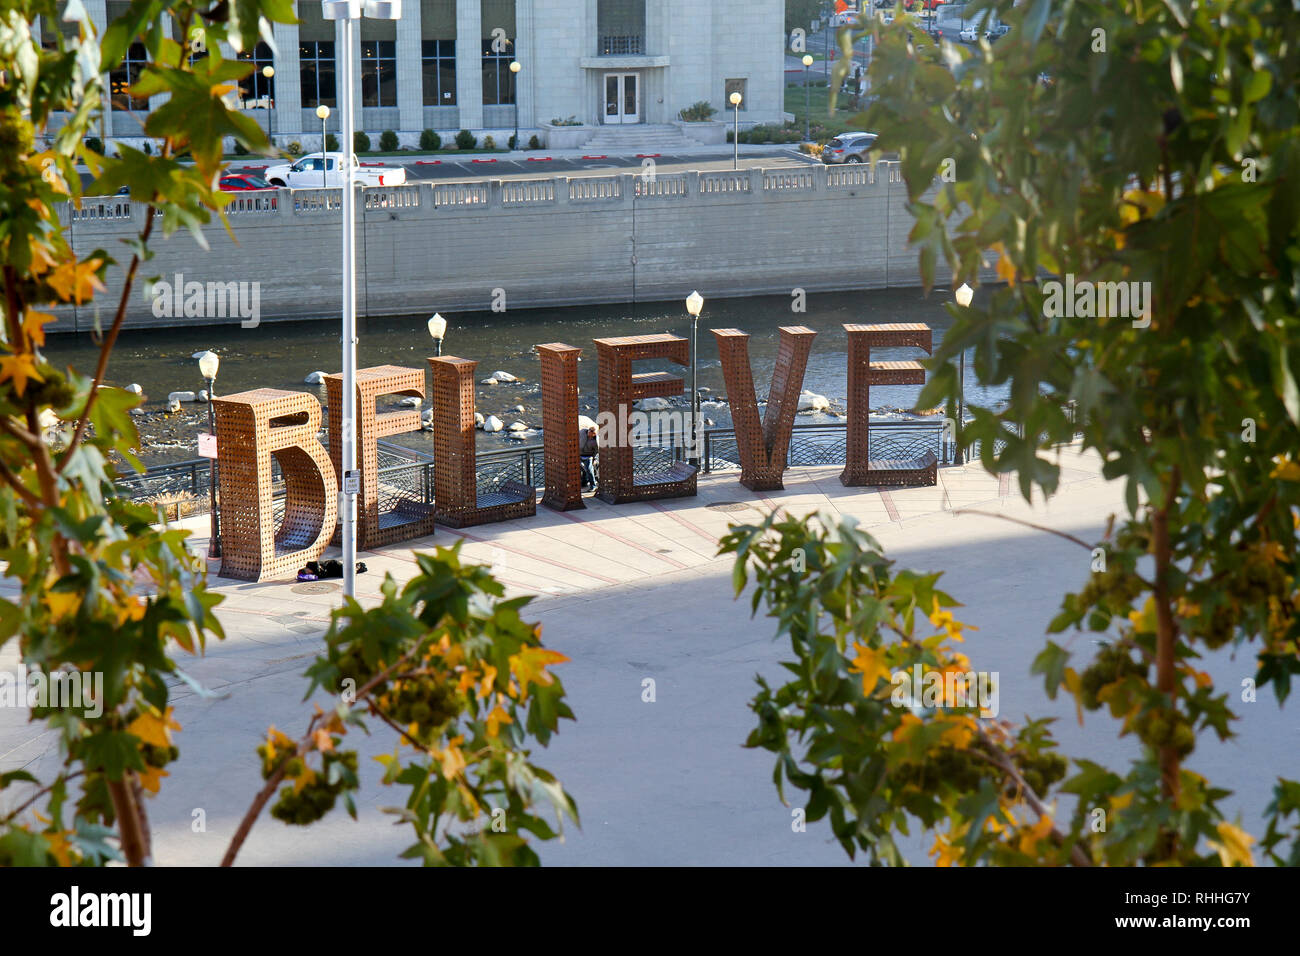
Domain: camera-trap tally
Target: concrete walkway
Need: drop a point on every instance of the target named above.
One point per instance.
(635, 592)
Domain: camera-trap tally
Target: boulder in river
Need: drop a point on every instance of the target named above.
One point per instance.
(518, 427)
(504, 377)
(492, 424)
(812, 402)
(411, 402)
(315, 378)
(490, 381)
(653, 404)
(178, 397)
(135, 389)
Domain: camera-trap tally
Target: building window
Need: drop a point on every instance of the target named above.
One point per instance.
(498, 81)
(737, 86)
(620, 26)
(439, 72)
(121, 80)
(257, 92)
(378, 73)
(316, 66)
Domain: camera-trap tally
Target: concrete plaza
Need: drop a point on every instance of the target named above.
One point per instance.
(636, 591)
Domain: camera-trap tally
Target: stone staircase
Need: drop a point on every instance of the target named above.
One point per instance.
(639, 138)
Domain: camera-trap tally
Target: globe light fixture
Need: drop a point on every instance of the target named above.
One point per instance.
(694, 306)
(437, 330)
(209, 362)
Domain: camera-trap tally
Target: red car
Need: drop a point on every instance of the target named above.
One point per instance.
(239, 182)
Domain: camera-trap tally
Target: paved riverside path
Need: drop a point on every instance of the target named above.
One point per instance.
(634, 591)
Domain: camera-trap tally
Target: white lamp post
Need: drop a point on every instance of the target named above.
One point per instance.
(695, 305)
(807, 99)
(269, 73)
(209, 362)
(965, 295)
(347, 12)
(736, 99)
(322, 114)
(515, 67)
(437, 329)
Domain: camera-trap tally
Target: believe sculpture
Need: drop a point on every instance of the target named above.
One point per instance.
(258, 427)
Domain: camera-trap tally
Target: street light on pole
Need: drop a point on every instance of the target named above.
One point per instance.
(437, 329)
(515, 67)
(347, 12)
(807, 100)
(322, 113)
(695, 305)
(736, 100)
(209, 362)
(269, 73)
(965, 295)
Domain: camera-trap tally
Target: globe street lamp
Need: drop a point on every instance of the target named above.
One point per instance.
(695, 305)
(965, 295)
(736, 99)
(437, 329)
(807, 100)
(347, 12)
(209, 362)
(322, 113)
(269, 72)
(515, 68)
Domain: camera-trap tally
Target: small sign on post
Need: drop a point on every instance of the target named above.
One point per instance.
(352, 483)
(207, 445)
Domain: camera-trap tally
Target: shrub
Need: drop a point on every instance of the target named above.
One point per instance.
(331, 143)
(240, 149)
(430, 141)
(466, 140)
(489, 143)
(388, 141)
(360, 142)
(571, 121)
(95, 144)
(148, 148)
(534, 143)
(294, 148)
(700, 112)
(513, 142)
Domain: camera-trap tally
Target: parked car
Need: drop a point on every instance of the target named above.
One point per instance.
(997, 32)
(848, 148)
(239, 182)
(968, 34)
(325, 169)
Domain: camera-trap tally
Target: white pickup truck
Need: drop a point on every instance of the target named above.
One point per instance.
(317, 170)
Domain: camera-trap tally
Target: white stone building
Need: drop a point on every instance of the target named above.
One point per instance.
(445, 65)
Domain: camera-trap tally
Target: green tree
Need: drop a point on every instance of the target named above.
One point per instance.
(799, 15)
(108, 590)
(1118, 142)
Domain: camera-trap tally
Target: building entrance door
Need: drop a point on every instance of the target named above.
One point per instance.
(622, 98)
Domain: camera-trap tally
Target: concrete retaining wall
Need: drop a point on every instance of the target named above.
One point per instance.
(554, 241)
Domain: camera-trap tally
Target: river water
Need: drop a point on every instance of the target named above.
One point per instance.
(281, 355)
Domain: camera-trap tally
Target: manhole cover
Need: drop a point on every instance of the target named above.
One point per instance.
(728, 506)
(315, 587)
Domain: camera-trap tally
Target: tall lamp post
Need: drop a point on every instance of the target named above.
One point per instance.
(348, 12)
(807, 99)
(695, 305)
(269, 73)
(965, 295)
(736, 100)
(209, 362)
(322, 113)
(515, 67)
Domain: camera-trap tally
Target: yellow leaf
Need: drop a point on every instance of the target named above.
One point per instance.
(152, 729)
(1121, 801)
(1287, 471)
(76, 281)
(1235, 848)
(59, 846)
(498, 717)
(958, 733)
(1074, 684)
(324, 740)
(1030, 838)
(489, 678)
(453, 761)
(151, 778)
(530, 664)
(62, 603)
(34, 325)
(304, 778)
(1006, 269)
(871, 665)
(21, 368)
